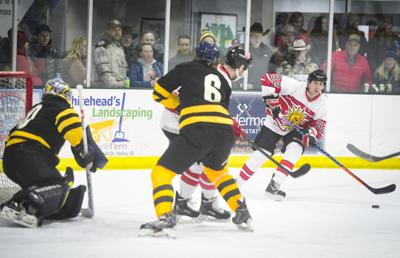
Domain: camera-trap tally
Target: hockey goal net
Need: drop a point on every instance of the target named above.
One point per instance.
(15, 101)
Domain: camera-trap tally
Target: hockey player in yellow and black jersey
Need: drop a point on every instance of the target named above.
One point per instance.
(205, 135)
(30, 159)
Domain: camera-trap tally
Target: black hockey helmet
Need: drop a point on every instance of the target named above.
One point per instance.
(237, 57)
(317, 75)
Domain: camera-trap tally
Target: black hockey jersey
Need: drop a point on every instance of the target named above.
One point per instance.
(204, 93)
(49, 123)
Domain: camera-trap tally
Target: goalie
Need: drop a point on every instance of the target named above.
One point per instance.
(30, 160)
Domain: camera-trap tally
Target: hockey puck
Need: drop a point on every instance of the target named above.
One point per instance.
(375, 206)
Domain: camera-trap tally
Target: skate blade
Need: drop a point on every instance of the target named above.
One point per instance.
(164, 233)
(182, 219)
(247, 227)
(277, 198)
(208, 218)
(20, 218)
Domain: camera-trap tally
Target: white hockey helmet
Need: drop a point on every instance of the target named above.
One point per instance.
(58, 87)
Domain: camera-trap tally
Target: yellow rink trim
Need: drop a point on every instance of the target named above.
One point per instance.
(148, 162)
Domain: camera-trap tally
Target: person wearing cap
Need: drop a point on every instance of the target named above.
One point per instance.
(207, 36)
(353, 20)
(127, 44)
(350, 70)
(44, 57)
(281, 54)
(299, 63)
(184, 52)
(109, 57)
(389, 72)
(261, 54)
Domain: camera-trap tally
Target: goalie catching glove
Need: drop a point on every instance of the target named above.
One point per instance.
(310, 138)
(95, 158)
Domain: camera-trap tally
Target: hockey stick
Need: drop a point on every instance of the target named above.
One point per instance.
(89, 211)
(296, 173)
(356, 151)
(382, 190)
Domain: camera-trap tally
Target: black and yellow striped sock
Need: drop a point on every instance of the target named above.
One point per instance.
(163, 192)
(226, 185)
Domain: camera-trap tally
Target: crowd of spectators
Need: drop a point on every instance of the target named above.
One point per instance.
(358, 58)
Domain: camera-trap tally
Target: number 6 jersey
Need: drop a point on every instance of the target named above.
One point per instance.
(204, 94)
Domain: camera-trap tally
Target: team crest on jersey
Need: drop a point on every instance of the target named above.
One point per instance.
(295, 115)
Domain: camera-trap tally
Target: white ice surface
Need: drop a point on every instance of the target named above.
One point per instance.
(326, 214)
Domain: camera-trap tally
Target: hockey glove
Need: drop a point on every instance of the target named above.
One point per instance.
(310, 138)
(272, 103)
(237, 129)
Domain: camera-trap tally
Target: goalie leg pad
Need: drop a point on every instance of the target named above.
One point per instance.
(72, 205)
(43, 200)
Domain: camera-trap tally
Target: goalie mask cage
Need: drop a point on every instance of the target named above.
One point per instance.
(15, 101)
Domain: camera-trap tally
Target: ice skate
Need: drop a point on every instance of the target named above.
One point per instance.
(164, 227)
(184, 212)
(12, 212)
(273, 191)
(210, 211)
(242, 218)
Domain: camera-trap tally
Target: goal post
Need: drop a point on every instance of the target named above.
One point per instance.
(15, 101)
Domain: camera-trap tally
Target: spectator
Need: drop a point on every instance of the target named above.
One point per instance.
(207, 36)
(43, 56)
(299, 63)
(297, 21)
(280, 21)
(350, 69)
(127, 43)
(184, 53)
(281, 53)
(5, 52)
(383, 40)
(146, 70)
(74, 64)
(319, 39)
(353, 20)
(23, 62)
(109, 57)
(260, 53)
(149, 38)
(389, 71)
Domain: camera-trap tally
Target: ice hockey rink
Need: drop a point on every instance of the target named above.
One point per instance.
(326, 214)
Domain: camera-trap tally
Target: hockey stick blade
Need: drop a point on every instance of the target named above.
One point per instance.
(295, 173)
(356, 151)
(381, 190)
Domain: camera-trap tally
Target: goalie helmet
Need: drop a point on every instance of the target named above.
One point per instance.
(237, 57)
(317, 75)
(208, 52)
(58, 87)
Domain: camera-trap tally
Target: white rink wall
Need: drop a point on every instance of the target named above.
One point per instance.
(369, 121)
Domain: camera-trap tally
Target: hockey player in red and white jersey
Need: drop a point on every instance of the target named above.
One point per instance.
(190, 179)
(304, 105)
